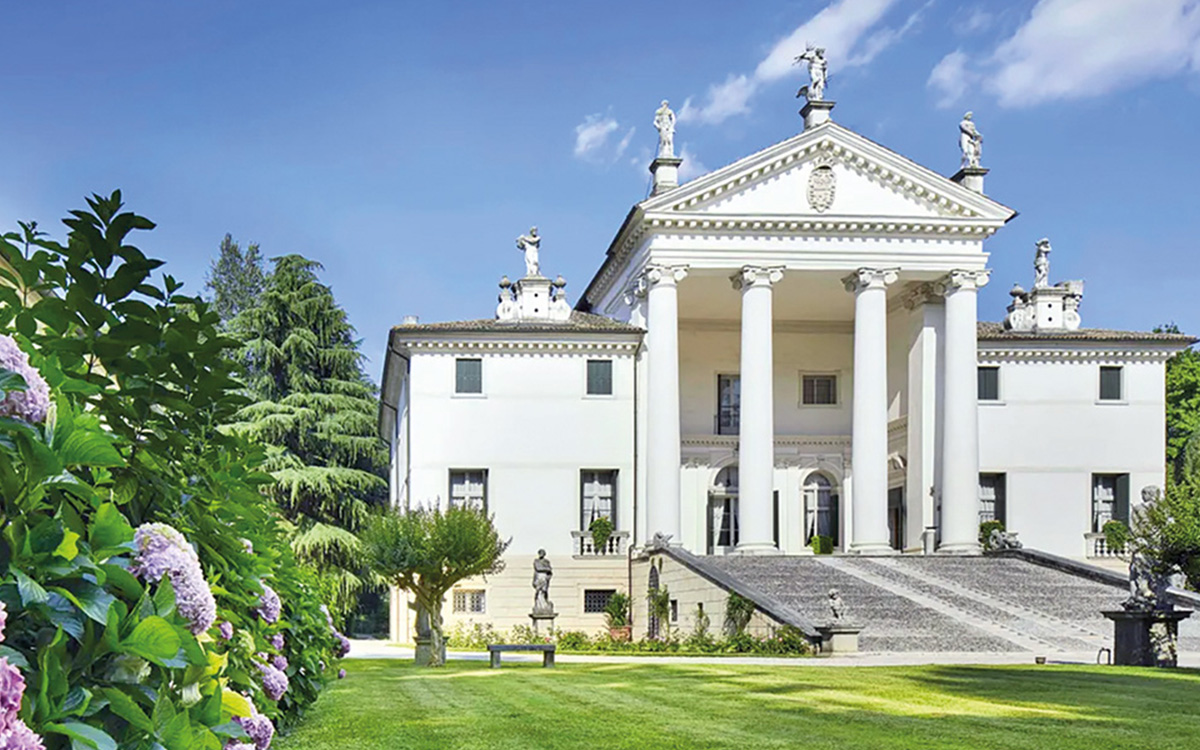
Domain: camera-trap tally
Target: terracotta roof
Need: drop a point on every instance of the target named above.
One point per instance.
(580, 322)
(989, 331)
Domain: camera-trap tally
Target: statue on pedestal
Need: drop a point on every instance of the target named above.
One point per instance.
(529, 244)
(1147, 587)
(542, 571)
(837, 607)
(664, 122)
(970, 141)
(1041, 265)
(818, 68)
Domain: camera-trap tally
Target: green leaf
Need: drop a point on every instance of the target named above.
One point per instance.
(11, 381)
(164, 598)
(177, 734)
(235, 704)
(154, 638)
(30, 590)
(109, 528)
(15, 657)
(87, 736)
(92, 599)
(69, 547)
(89, 448)
(62, 612)
(123, 581)
(128, 709)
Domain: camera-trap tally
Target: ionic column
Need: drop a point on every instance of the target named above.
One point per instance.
(960, 415)
(662, 400)
(868, 438)
(756, 433)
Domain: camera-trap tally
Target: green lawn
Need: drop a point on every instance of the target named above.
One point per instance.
(391, 704)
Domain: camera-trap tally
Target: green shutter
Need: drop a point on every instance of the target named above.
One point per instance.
(1121, 506)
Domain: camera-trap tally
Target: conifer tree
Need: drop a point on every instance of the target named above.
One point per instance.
(236, 278)
(316, 410)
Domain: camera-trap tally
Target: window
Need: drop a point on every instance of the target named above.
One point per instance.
(989, 383)
(820, 509)
(599, 377)
(470, 601)
(729, 403)
(991, 498)
(1110, 384)
(723, 510)
(596, 600)
(468, 488)
(1110, 499)
(819, 390)
(468, 376)
(597, 492)
(674, 610)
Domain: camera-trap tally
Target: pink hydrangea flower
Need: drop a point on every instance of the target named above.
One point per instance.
(20, 737)
(3, 620)
(162, 550)
(32, 404)
(12, 688)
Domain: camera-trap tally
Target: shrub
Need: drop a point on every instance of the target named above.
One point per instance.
(659, 600)
(601, 529)
(616, 611)
(738, 611)
(821, 545)
(1116, 535)
(573, 640)
(985, 533)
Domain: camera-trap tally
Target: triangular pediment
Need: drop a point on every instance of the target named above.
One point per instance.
(828, 171)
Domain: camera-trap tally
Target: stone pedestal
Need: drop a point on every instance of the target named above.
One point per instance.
(1145, 639)
(815, 113)
(971, 178)
(423, 654)
(839, 639)
(538, 618)
(666, 173)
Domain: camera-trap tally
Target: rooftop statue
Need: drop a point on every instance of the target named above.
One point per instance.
(664, 121)
(528, 244)
(970, 141)
(818, 68)
(1041, 265)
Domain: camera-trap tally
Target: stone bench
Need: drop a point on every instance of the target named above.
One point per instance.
(547, 650)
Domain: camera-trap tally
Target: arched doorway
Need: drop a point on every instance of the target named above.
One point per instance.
(821, 511)
(723, 511)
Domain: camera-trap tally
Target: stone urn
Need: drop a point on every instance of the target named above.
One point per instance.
(623, 633)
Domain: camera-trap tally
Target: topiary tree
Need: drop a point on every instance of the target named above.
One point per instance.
(426, 551)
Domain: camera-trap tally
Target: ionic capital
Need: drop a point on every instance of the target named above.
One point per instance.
(751, 276)
(870, 278)
(960, 280)
(655, 274)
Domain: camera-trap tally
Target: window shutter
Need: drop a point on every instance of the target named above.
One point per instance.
(599, 377)
(1002, 499)
(468, 376)
(1121, 506)
(1110, 383)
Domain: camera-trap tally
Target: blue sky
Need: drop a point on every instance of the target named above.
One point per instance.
(405, 145)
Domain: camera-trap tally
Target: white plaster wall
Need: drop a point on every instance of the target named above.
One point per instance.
(534, 428)
(1050, 433)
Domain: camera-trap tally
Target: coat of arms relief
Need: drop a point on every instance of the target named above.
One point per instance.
(822, 183)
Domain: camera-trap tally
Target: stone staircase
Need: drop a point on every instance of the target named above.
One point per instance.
(944, 604)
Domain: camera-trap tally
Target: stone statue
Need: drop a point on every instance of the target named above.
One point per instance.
(1041, 265)
(1150, 494)
(818, 68)
(529, 244)
(970, 141)
(542, 571)
(837, 607)
(664, 121)
(660, 540)
(506, 309)
(999, 539)
(1147, 587)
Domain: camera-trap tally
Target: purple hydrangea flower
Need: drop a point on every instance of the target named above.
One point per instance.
(231, 745)
(277, 641)
(328, 617)
(225, 630)
(259, 727)
(343, 644)
(20, 737)
(341, 674)
(12, 688)
(280, 662)
(3, 620)
(275, 682)
(32, 404)
(162, 550)
(269, 605)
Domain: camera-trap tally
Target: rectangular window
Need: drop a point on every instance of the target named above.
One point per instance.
(599, 377)
(470, 601)
(597, 496)
(674, 610)
(819, 390)
(1110, 499)
(989, 383)
(1110, 384)
(468, 488)
(468, 376)
(729, 404)
(992, 498)
(595, 600)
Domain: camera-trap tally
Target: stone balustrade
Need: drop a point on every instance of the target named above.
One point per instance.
(583, 546)
(1097, 546)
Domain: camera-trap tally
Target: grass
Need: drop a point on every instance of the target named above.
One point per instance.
(392, 704)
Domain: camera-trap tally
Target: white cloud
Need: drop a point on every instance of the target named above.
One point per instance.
(625, 141)
(692, 167)
(838, 27)
(591, 135)
(951, 78)
(974, 21)
(1074, 49)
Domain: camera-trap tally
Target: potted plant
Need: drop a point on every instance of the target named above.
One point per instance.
(616, 617)
(601, 529)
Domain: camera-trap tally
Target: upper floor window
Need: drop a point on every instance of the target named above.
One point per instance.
(599, 377)
(468, 488)
(1110, 384)
(989, 383)
(729, 404)
(817, 390)
(468, 376)
(598, 493)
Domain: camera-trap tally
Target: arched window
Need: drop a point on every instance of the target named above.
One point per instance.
(820, 508)
(723, 510)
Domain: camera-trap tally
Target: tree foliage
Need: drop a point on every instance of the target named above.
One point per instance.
(1183, 409)
(311, 402)
(235, 278)
(426, 551)
(1167, 530)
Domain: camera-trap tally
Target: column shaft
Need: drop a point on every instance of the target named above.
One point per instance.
(663, 458)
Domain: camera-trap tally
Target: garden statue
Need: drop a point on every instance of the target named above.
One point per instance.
(1147, 587)
(1041, 265)
(664, 121)
(528, 244)
(818, 68)
(970, 141)
(837, 607)
(1000, 539)
(541, 585)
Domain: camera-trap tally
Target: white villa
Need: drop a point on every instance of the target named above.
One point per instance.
(780, 355)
